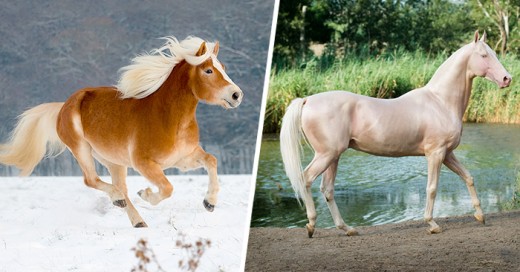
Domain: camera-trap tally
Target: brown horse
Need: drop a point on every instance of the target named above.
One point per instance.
(146, 122)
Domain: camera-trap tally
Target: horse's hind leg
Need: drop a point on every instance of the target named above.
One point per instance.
(327, 189)
(454, 165)
(319, 163)
(118, 174)
(83, 154)
(70, 131)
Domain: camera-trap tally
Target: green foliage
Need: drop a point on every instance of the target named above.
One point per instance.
(290, 22)
(490, 15)
(514, 203)
(374, 27)
(386, 76)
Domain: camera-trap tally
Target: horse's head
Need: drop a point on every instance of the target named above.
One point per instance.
(483, 62)
(210, 82)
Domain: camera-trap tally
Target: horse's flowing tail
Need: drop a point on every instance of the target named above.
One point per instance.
(34, 136)
(291, 148)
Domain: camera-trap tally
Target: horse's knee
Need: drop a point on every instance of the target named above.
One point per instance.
(166, 190)
(432, 192)
(210, 161)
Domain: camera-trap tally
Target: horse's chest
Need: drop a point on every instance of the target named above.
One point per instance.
(179, 157)
(447, 139)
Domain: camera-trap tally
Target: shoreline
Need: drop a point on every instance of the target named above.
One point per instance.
(464, 245)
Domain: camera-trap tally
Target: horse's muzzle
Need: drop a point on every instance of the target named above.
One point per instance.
(234, 98)
(506, 81)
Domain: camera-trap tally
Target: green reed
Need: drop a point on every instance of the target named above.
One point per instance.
(388, 76)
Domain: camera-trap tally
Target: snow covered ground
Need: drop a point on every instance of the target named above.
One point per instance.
(59, 224)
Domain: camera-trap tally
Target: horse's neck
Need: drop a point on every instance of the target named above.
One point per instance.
(175, 99)
(452, 84)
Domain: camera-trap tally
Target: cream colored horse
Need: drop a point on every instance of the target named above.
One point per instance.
(424, 122)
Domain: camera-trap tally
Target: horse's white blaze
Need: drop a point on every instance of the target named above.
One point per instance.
(219, 68)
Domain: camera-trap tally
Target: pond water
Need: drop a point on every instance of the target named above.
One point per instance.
(373, 190)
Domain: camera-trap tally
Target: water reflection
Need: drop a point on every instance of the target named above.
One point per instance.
(374, 190)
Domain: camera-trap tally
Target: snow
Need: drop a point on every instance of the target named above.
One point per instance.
(59, 224)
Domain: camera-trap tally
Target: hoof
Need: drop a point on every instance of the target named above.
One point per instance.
(310, 230)
(120, 203)
(145, 192)
(480, 218)
(352, 232)
(208, 206)
(141, 225)
(435, 230)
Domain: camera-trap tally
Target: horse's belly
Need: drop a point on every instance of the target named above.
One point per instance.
(112, 154)
(179, 158)
(388, 149)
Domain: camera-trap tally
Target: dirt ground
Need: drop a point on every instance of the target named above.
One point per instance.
(464, 245)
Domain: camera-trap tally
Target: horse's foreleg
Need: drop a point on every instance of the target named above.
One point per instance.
(154, 173)
(454, 165)
(199, 158)
(434, 167)
(327, 189)
(210, 164)
(118, 174)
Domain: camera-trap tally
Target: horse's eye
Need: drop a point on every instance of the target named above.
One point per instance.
(208, 71)
(484, 55)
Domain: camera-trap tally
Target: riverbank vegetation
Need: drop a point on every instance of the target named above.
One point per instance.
(388, 76)
(514, 203)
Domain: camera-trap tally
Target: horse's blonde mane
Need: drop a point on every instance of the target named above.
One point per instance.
(149, 71)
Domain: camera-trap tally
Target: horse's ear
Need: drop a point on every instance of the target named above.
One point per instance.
(476, 36)
(202, 49)
(215, 49)
(484, 37)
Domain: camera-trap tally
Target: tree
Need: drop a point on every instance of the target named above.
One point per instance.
(504, 15)
(288, 30)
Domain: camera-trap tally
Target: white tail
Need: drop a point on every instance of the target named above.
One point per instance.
(34, 133)
(291, 148)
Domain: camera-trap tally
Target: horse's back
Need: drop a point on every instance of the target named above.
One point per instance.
(337, 120)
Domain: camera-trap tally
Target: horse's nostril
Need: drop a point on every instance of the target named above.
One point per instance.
(507, 79)
(235, 96)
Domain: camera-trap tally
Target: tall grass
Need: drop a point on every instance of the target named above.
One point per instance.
(514, 203)
(387, 77)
